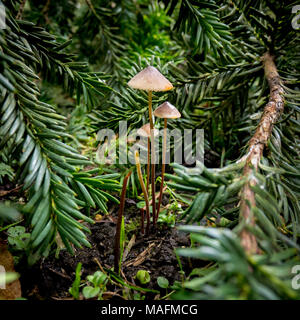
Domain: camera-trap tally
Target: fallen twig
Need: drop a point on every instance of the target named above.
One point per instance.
(129, 246)
(6, 192)
(271, 114)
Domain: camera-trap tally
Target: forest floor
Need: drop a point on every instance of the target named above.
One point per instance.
(52, 277)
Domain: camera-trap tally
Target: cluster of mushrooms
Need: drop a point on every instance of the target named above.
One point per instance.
(150, 79)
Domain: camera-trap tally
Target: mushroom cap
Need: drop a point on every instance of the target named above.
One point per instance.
(167, 111)
(150, 79)
(145, 131)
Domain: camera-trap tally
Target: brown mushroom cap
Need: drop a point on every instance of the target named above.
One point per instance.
(145, 131)
(150, 79)
(167, 111)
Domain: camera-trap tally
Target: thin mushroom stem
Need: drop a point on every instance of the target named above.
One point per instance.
(150, 110)
(140, 176)
(165, 111)
(152, 156)
(163, 166)
(118, 227)
(148, 164)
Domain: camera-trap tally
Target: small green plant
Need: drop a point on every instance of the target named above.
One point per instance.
(18, 238)
(97, 285)
(19, 241)
(167, 217)
(143, 276)
(163, 282)
(129, 289)
(122, 241)
(138, 296)
(94, 286)
(74, 290)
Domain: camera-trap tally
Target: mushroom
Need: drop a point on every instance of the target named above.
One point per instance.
(150, 79)
(145, 132)
(140, 176)
(165, 111)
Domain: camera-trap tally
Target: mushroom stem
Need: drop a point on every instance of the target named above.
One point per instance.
(140, 176)
(152, 156)
(148, 164)
(163, 166)
(150, 110)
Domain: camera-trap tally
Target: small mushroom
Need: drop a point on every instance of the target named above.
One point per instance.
(150, 79)
(165, 111)
(145, 132)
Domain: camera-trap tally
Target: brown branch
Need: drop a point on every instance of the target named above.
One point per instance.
(271, 114)
(4, 193)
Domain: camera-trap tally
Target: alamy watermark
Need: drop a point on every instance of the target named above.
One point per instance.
(296, 19)
(2, 16)
(2, 277)
(120, 147)
(296, 279)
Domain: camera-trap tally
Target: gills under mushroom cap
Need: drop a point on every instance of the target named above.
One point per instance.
(167, 111)
(150, 79)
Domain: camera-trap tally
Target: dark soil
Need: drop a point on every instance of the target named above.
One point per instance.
(52, 277)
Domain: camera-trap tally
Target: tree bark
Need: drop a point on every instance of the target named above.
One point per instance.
(271, 114)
